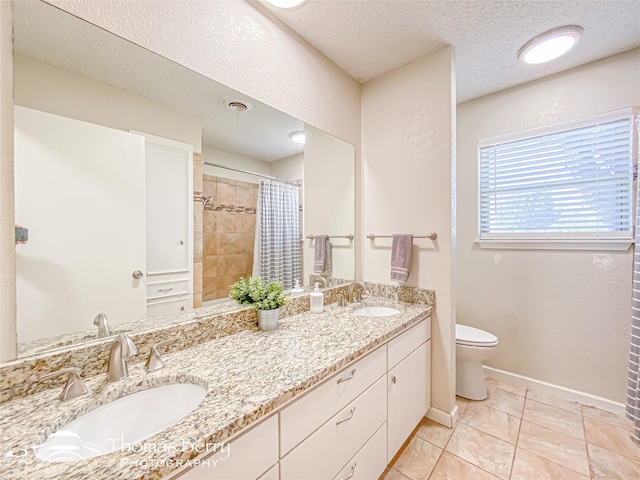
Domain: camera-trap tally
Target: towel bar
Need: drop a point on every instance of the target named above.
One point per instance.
(350, 236)
(431, 236)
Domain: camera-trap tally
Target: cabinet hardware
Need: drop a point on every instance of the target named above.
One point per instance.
(353, 470)
(393, 379)
(164, 290)
(342, 420)
(353, 372)
(137, 274)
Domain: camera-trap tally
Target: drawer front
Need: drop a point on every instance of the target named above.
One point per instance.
(305, 415)
(327, 451)
(369, 462)
(176, 305)
(245, 458)
(405, 343)
(167, 289)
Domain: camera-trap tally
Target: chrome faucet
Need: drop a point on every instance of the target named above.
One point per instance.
(103, 325)
(122, 349)
(355, 292)
(74, 386)
(319, 279)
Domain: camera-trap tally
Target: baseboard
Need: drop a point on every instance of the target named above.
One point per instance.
(449, 420)
(556, 390)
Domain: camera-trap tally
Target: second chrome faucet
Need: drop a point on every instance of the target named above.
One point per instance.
(122, 349)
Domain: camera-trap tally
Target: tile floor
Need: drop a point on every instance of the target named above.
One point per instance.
(517, 434)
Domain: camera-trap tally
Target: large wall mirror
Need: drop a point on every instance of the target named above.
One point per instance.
(144, 186)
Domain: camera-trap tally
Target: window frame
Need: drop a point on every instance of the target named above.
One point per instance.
(614, 241)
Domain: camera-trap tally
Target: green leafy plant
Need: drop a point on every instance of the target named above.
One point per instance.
(258, 293)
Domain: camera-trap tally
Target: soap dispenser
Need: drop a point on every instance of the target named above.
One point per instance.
(316, 299)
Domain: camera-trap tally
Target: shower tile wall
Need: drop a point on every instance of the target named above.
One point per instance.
(229, 222)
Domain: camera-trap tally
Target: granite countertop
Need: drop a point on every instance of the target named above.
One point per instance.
(248, 375)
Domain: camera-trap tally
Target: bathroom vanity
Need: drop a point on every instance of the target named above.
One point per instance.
(330, 395)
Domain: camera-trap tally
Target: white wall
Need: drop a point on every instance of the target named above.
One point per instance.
(329, 198)
(561, 316)
(44, 87)
(408, 119)
(235, 161)
(8, 339)
(290, 168)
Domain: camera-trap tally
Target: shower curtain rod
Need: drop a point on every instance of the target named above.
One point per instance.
(297, 184)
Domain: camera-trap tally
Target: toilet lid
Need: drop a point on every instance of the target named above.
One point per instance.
(471, 336)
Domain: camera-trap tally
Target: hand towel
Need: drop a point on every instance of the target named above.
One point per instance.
(322, 259)
(401, 256)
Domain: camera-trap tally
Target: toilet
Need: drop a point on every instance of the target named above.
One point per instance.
(473, 346)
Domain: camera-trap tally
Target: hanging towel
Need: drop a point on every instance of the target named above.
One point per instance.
(322, 260)
(401, 256)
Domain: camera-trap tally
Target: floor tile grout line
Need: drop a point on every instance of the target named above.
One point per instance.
(515, 450)
(586, 443)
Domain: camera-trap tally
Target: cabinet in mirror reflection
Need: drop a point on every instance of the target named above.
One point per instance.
(119, 86)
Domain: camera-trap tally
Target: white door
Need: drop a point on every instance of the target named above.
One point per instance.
(80, 190)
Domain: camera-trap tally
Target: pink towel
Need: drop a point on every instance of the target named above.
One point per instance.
(401, 256)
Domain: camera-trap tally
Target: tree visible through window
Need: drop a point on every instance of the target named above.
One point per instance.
(569, 181)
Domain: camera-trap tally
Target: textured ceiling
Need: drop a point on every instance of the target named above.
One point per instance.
(50, 35)
(367, 38)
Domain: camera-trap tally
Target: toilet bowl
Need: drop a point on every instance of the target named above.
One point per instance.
(473, 346)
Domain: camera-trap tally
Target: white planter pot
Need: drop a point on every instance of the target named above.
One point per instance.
(268, 319)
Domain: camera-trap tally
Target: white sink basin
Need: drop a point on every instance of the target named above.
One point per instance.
(376, 311)
(121, 424)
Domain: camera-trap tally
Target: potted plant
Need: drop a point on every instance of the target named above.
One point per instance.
(265, 297)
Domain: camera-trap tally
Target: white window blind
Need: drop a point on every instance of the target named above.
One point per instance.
(571, 181)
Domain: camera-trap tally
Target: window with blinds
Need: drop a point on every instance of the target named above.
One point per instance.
(568, 182)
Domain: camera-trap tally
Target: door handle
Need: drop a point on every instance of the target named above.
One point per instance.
(137, 274)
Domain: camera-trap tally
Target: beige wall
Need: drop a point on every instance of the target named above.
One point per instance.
(328, 200)
(561, 316)
(7, 247)
(43, 87)
(408, 128)
(289, 168)
(235, 161)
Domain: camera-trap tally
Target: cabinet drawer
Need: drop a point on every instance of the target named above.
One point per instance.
(405, 343)
(327, 451)
(167, 289)
(302, 417)
(369, 462)
(175, 305)
(245, 458)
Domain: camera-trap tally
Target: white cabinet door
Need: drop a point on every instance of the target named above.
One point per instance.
(409, 393)
(80, 189)
(169, 185)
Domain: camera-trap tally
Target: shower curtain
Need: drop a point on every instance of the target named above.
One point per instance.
(277, 251)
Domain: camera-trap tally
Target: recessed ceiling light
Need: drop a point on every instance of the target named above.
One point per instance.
(297, 137)
(286, 3)
(550, 45)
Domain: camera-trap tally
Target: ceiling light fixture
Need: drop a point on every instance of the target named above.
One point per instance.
(297, 137)
(550, 45)
(286, 3)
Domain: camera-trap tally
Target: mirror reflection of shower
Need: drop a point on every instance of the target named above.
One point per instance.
(206, 200)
